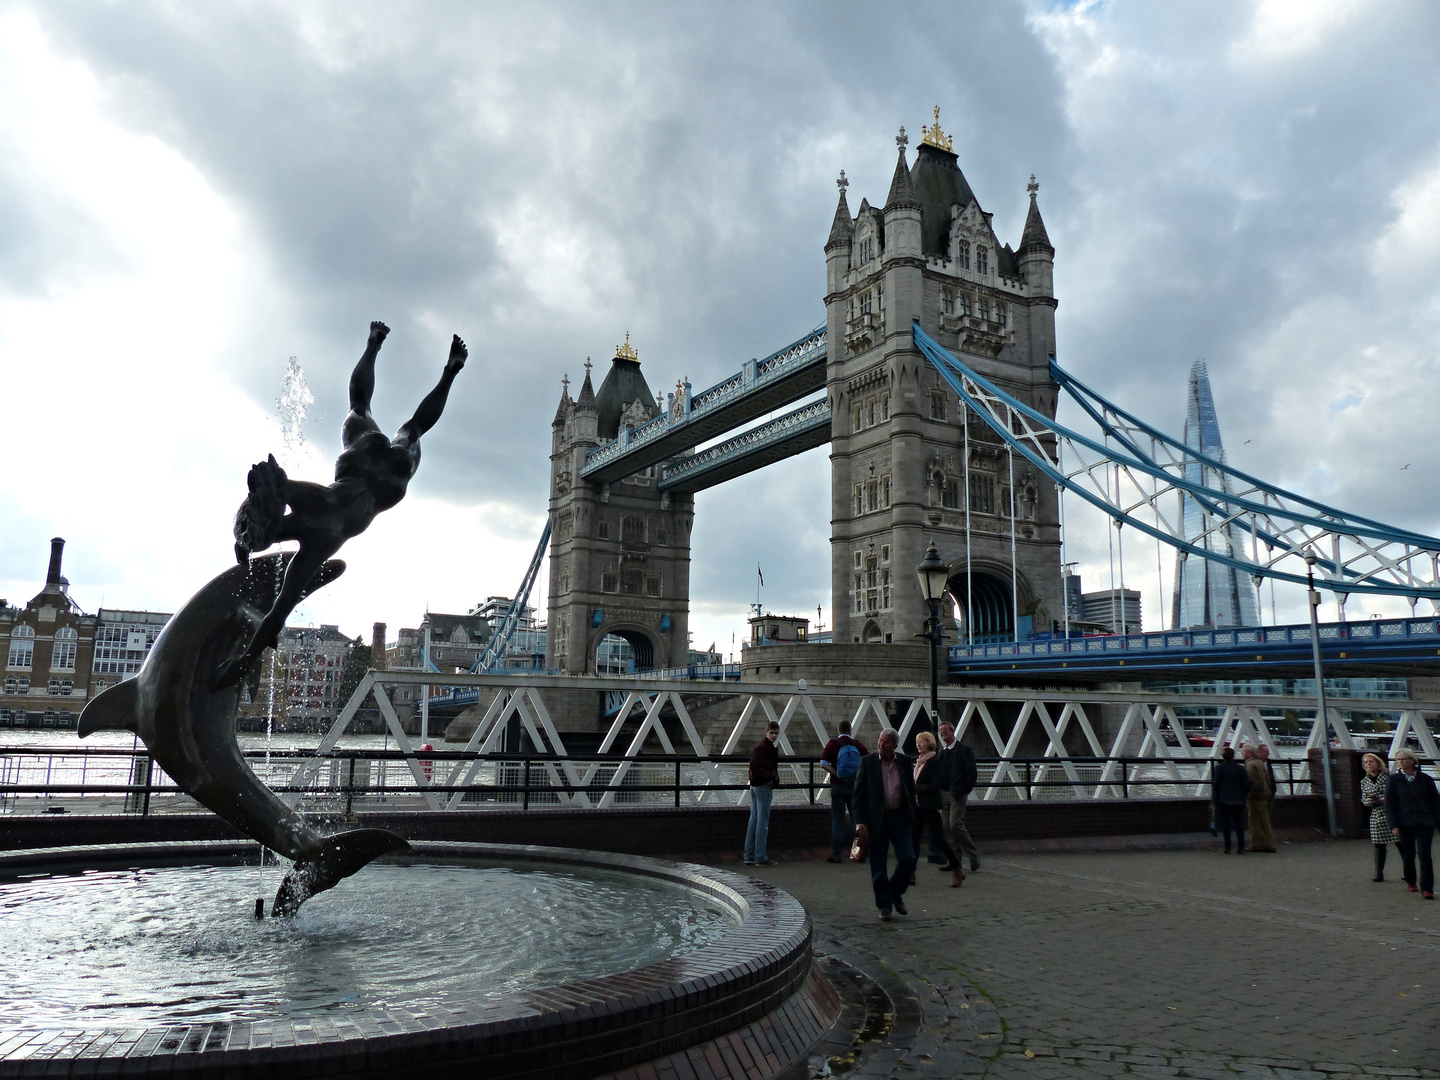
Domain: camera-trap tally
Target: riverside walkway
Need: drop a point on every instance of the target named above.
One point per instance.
(1182, 963)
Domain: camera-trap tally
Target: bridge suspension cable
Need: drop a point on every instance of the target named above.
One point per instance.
(1246, 523)
(493, 657)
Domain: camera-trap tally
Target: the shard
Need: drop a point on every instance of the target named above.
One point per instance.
(1209, 593)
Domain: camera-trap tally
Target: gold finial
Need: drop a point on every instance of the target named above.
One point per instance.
(933, 136)
(626, 351)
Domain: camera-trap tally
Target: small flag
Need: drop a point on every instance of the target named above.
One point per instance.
(758, 574)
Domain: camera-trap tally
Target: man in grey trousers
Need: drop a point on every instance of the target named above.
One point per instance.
(958, 776)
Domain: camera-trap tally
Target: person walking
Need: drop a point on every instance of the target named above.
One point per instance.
(1229, 787)
(958, 776)
(927, 805)
(1372, 797)
(885, 808)
(1257, 801)
(1412, 806)
(764, 776)
(841, 761)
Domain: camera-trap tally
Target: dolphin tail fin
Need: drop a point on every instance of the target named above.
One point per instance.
(339, 857)
(115, 709)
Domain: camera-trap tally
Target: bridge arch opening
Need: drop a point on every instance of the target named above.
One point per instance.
(993, 617)
(872, 634)
(622, 651)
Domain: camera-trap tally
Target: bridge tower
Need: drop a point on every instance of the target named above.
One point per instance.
(619, 552)
(900, 477)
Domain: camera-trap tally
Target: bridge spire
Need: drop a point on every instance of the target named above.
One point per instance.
(842, 229)
(902, 191)
(586, 400)
(1034, 238)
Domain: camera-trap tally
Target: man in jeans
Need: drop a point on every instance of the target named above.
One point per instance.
(841, 761)
(764, 775)
(885, 808)
(958, 777)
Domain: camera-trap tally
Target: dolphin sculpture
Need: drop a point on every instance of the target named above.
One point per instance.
(188, 726)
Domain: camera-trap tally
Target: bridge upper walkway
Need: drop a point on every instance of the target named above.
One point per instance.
(760, 387)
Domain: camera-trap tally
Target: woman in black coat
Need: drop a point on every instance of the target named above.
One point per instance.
(1229, 788)
(928, 786)
(1412, 805)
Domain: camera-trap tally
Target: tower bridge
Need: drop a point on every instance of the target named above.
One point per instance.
(938, 385)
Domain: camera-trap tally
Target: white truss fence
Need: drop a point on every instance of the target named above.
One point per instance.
(1148, 753)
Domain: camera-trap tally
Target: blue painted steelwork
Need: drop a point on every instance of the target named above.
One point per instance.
(494, 655)
(760, 387)
(1369, 644)
(785, 436)
(1355, 554)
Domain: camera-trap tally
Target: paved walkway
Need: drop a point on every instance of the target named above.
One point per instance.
(1176, 963)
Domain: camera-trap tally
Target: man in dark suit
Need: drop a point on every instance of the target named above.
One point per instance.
(958, 776)
(884, 807)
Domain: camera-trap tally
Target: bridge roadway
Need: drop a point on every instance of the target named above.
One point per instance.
(1376, 647)
(760, 387)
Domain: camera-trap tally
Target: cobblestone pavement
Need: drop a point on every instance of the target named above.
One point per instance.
(1188, 963)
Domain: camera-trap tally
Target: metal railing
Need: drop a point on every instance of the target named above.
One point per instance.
(36, 780)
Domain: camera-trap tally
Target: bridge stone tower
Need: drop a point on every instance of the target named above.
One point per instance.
(619, 552)
(899, 475)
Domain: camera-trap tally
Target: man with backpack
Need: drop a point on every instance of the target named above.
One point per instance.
(841, 760)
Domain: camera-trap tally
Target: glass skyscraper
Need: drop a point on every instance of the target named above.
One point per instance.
(1209, 593)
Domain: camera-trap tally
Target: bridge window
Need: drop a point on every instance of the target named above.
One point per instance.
(937, 405)
(885, 407)
(855, 417)
(602, 529)
(54, 688)
(982, 261)
(1001, 314)
(652, 586)
(859, 596)
(982, 493)
(885, 492)
(859, 503)
(11, 686)
(950, 495)
(22, 648)
(632, 530)
(867, 250)
(885, 589)
(984, 308)
(62, 657)
(66, 687)
(870, 412)
(965, 304)
(872, 497)
(867, 303)
(885, 553)
(947, 302)
(880, 297)
(859, 557)
(630, 581)
(962, 256)
(609, 583)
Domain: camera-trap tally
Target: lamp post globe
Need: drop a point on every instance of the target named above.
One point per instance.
(934, 576)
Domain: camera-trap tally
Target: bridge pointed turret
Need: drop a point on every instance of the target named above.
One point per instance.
(565, 404)
(902, 189)
(1034, 238)
(586, 400)
(842, 229)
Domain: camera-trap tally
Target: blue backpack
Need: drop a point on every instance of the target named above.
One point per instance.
(847, 762)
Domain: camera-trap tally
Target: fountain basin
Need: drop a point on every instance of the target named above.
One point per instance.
(750, 956)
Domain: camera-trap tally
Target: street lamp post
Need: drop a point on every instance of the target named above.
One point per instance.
(1322, 712)
(934, 576)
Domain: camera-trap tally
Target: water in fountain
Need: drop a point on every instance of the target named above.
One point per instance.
(167, 945)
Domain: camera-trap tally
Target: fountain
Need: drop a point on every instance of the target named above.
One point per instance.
(138, 958)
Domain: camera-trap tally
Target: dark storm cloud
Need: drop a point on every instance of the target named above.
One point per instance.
(542, 179)
(436, 165)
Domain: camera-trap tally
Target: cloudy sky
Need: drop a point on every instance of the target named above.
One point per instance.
(192, 194)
